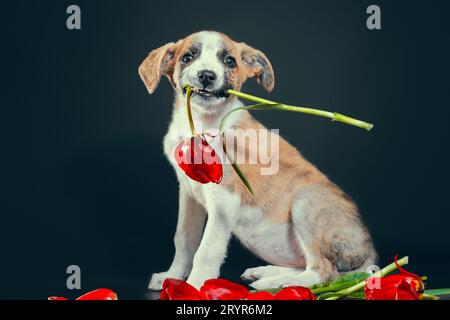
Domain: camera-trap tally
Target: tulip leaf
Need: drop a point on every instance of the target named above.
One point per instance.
(351, 277)
(330, 289)
(326, 295)
(360, 294)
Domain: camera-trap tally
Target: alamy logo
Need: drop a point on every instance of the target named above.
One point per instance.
(374, 20)
(73, 21)
(74, 279)
(374, 281)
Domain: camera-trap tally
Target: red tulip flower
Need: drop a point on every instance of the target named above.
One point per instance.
(174, 289)
(220, 289)
(199, 160)
(261, 295)
(402, 286)
(57, 298)
(195, 156)
(213, 289)
(98, 294)
(295, 293)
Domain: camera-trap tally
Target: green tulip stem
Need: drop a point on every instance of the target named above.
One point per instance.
(189, 111)
(334, 116)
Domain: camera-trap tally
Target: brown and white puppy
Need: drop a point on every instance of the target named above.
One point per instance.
(302, 224)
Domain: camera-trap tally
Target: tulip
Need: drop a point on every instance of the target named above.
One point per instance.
(99, 294)
(195, 156)
(220, 289)
(174, 289)
(402, 286)
(396, 287)
(295, 293)
(199, 160)
(261, 295)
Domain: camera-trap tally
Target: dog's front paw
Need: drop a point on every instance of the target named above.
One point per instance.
(158, 279)
(253, 274)
(196, 282)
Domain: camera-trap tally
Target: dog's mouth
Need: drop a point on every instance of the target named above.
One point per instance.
(220, 93)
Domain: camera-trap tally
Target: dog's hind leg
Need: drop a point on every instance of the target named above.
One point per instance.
(271, 276)
(331, 237)
(330, 233)
(253, 274)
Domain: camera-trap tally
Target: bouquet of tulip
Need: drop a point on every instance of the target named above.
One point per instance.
(378, 286)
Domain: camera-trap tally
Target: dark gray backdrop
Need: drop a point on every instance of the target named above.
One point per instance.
(83, 176)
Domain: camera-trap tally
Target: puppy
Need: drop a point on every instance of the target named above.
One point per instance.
(300, 223)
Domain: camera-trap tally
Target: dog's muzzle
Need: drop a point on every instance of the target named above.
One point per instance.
(221, 93)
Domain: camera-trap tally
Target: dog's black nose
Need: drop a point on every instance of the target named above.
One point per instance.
(206, 77)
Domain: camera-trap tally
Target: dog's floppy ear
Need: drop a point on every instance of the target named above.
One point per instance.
(257, 65)
(158, 63)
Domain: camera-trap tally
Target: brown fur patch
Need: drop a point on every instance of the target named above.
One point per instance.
(156, 65)
(256, 64)
(184, 45)
(273, 193)
(238, 75)
(163, 61)
(250, 62)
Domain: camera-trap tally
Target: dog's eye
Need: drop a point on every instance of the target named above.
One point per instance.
(186, 58)
(229, 61)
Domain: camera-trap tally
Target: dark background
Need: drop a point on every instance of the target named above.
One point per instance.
(84, 180)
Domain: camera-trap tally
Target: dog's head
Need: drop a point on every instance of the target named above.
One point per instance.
(209, 61)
